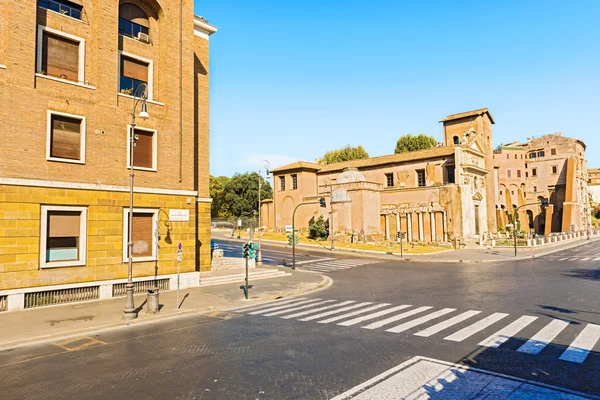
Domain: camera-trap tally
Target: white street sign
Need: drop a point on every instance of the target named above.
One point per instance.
(179, 215)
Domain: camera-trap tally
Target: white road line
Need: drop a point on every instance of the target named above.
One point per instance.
(407, 314)
(312, 261)
(498, 338)
(333, 266)
(271, 304)
(282, 307)
(374, 315)
(339, 310)
(352, 314)
(294, 309)
(476, 327)
(411, 324)
(579, 349)
(597, 259)
(562, 259)
(314, 269)
(585, 259)
(432, 330)
(540, 340)
(344, 303)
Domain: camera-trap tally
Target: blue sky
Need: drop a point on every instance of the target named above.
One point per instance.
(292, 79)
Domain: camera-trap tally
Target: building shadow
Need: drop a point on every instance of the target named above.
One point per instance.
(589, 274)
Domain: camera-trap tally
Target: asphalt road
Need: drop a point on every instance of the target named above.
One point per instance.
(483, 316)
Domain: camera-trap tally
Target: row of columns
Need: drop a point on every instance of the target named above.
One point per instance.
(433, 215)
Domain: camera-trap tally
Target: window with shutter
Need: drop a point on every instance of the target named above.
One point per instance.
(133, 74)
(65, 137)
(143, 234)
(60, 57)
(63, 241)
(144, 151)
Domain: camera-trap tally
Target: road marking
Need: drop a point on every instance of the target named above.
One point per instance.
(352, 314)
(540, 340)
(498, 338)
(579, 349)
(562, 259)
(374, 315)
(476, 327)
(411, 324)
(317, 309)
(428, 378)
(282, 307)
(312, 261)
(294, 309)
(325, 314)
(407, 314)
(75, 343)
(585, 259)
(597, 259)
(432, 330)
(270, 304)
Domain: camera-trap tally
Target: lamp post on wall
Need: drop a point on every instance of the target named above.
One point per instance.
(267, 166)
(129, 311)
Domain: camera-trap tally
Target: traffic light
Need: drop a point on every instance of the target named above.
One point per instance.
(290, 238)
(296, 239)
(252, 250)
(400, 235)
(322, 202)
(246, 250)
(293, 239)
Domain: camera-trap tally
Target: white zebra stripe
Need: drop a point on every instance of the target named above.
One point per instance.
(339, 310)
(540, 340)
(374, 315)
(476, 327)
(579, 349)
(562, 259)
(418, 321)
(407, 314)
(344, 303)
(294, 309)
(597, 259)
(432, 330)
(585, 259)
(312, 261)
(498, 338)
(352, 314)
(282, 307)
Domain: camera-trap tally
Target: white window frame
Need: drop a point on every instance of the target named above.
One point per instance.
(150, 73)
(82, 238)
(81, 67)
(154, 255)
(154, 148)
(49, 138)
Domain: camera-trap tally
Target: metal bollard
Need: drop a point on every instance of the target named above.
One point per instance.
(152, 301)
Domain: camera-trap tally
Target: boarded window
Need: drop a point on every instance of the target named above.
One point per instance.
(143, 151)
(62, 240)
(65, 137)
(60, 57)
(142, 234)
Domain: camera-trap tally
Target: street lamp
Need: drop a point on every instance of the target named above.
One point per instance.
(331, 233)
(129, 311)
(267, 166)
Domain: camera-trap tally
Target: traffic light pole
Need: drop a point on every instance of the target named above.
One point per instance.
(321, 201)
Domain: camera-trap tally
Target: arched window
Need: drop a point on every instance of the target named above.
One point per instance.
(455, 139)
(133, 22)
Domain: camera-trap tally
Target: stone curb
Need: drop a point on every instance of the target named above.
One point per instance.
(324, 284)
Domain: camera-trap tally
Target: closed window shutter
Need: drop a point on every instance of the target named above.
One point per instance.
(133, 13)
(134, 69)
(142, 234)
(66, 138)
(64, 224)
(143, 150)
(60, 57)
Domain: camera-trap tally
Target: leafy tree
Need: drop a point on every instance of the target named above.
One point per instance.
(240, 195)
(409, 142)
(217, 193)
(318, 229)
(347, 153)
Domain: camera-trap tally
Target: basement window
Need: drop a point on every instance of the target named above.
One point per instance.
(63, 236)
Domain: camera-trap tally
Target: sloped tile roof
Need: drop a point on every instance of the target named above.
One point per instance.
(297, 165)
(480, 111)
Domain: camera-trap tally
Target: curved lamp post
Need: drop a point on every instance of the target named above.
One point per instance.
(129, 311)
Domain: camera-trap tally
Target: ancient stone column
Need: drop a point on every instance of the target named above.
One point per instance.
(445, 226)
(409, 227)
(433, 227)
(398, 227)
(387, 227)
(420, 216)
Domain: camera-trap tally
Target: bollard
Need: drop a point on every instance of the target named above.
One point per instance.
(152, 301)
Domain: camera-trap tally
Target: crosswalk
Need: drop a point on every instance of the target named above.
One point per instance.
(581, 258)
(332, 264)
(448, 322)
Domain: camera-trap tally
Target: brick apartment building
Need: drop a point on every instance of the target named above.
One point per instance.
(68, 69)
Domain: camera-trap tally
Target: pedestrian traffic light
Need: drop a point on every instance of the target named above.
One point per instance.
(322, 202)
(290, 238)
(296, 239)
(246, 250)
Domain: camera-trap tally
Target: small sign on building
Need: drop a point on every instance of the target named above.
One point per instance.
(288, 228)
(179, 215)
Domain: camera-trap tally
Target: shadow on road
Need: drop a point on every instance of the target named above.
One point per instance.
(590, 274)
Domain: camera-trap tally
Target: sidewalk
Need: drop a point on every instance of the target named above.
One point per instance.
(25, 327)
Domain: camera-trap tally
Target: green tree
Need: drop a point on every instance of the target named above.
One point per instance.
(318, 229)
(409, 142)
(217, 193)
(347, 153)
(240, 195)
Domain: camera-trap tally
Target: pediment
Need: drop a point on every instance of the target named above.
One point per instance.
(477, 196)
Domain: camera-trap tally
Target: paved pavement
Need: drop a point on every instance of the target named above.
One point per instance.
(511, 329)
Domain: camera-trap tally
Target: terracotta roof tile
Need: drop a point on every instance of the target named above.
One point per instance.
(297, 165)
(390, 159)
(480, 111)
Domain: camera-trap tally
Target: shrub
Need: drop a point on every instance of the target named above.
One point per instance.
(319, 229)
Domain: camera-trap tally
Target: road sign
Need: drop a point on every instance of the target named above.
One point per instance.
(240, 222)
(362, 232)
(179, 252)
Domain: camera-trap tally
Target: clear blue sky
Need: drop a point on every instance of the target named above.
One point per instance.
(292, 79)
